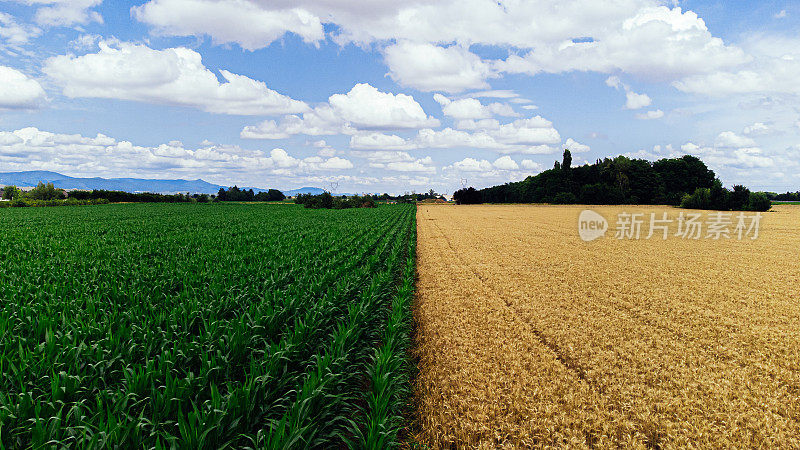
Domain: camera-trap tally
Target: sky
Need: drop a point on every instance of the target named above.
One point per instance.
(388, 96)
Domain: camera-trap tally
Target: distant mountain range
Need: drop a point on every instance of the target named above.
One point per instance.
(32, 178)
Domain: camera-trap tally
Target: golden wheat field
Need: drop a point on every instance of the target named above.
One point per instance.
(530, 337)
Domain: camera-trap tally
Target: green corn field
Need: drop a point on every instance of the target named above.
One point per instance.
(205, 326)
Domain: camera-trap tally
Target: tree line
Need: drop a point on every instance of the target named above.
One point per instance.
(234, 194)
(52, 196)
(328, 201)
(684, 181)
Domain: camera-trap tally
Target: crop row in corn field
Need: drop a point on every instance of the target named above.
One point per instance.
(204, 326)
(530, 337)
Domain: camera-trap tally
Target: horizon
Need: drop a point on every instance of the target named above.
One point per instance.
(355, 95)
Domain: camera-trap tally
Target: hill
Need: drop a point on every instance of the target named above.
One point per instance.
(158, 186)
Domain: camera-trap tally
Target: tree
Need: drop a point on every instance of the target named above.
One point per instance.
(11, 192)
(567, 164)
(468, 196)
(759, 202)
(46, 192)
(275, 195)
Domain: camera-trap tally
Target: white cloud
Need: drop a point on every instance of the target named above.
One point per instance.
(724, 157)
(174, 76)
(246, 23)
(535, 135)
(502, 166)
(613, 81)
(77, 155)
(334, 163)
(633, 100)
(781, 15)
(18, 91)
(483, 124)
(325, 150)
(15, 34)
(528, 164)
(775, 69)
(729, 139)
(379, 141)
(472, 108)
(497, 93)
(656, 43)
(363, 108)
(398, 161)
(505, 163)
(368, 108)
(530, 107)
(637, 101)
(472, 165)
(424, 165)
(429, 67)
(65, 12)
(650, 115)
(429, 41)
(758, 129)
(576, 147)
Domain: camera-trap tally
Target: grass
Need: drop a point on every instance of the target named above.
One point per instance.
(203, 325)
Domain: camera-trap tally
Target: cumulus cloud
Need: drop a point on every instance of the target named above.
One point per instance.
(531, 165)
(637, 101)
(428, 53)
(729, 139)
(472, 108)
(758, 129)
(429, 67)
(472, 165)
(505, 163)
(656, 43)
(18, 91)
(503, 167)
(65, 12)
(398, 161)
(650, 115)
(534, 135)
(774, 69)
(249, 24)
(363, 108)
(633, 100)
(101, 155)
(173, 76)
(732, 156)
(576, 147)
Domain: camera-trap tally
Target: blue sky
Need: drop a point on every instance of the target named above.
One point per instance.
(396, 97)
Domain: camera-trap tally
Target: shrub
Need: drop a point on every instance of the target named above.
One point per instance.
(700, 199)
(759, 201)
(11, 192)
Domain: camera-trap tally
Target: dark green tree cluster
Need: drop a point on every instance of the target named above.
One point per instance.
(611, 181)
(785, 197)
(234, 194)
(45, 192)
(138, 197)
(719, 198)
(328, 201)
(11, 192)
(468, 196)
